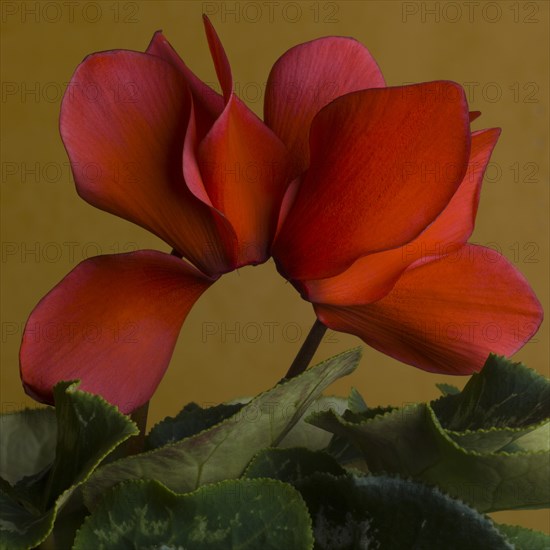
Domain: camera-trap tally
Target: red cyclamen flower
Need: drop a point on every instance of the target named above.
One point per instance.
(365, 195)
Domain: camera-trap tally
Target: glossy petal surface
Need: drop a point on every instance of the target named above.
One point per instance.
(446, 316)
(244, 168)
(113, 323)
(384, 163)
(208, 103)
(123, 123)
(308, 77)
(373, 276)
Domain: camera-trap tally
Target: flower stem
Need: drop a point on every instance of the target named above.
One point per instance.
(139, 416)
(307, 351)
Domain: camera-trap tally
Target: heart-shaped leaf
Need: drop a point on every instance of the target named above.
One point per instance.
(88, 429)
(411, 442)
(498, 461)
(351, 512)
(503, 395)
(244, 514)
(224, 450)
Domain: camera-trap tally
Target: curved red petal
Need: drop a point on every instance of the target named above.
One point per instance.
(221, 63)
(195, 182)
(456, 223)
(206, 106)
(384, 163)
(373, 276)
(245, 172)
(113, 323)
(123, 123)
(308, 77)
(446, 316)
(209, 103)
(244, 168)
(367, 280)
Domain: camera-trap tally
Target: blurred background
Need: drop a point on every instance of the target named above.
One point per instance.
(243, 333)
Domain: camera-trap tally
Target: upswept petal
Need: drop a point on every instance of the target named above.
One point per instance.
(113, 323)
(309, 76)
(123, 122)
(371, 277)
(221, 63)
(446, 316)
(244, 168)
(194, 181)
(208, 103)
(384, 163)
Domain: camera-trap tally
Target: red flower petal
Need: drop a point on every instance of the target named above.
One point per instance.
(456, 223)
(112, 322)
(474, 115)
(308, 77)
(123, 123)
(208, 103)
(447, 316)
(244, 168)
(373, 276)
(384, 163)
(221, 63)
(195, 183)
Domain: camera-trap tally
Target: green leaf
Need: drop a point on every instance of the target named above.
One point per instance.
(28, 442)
(510, 440)
(447, 389)
(342, 449)
(535, 439)
(194, 419)
(498, 460)
(306, 435)
(525, 539)
(67, 522)
(352, 512)
(502, 395)
(290, 465)
(237, 514)
(191, 420)
(412, 443)
(356, 403)
(21, 528)
(223, 451)
(88, 429)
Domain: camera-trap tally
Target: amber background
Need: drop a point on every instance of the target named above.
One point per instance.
(501, 48)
